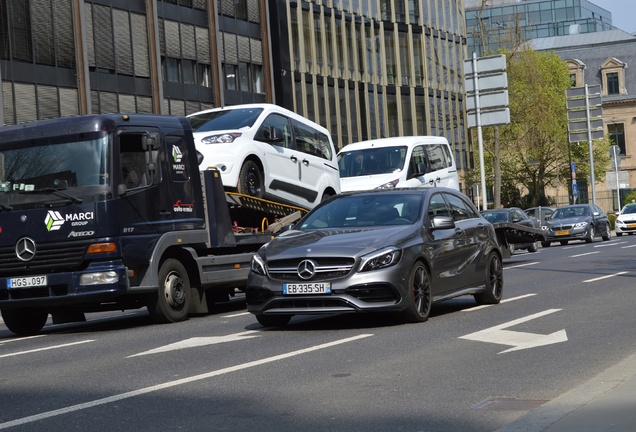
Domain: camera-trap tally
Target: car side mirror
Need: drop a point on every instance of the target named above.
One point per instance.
(442, 222)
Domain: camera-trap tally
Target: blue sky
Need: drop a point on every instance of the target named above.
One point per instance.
(623, 13)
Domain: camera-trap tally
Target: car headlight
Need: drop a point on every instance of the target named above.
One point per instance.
(389, 185)
(222, 138)
(258, 265)
(580, 225)
(380, 259)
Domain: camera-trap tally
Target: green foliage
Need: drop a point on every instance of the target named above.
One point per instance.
(630, 196)
(612, 220)
(534, 149)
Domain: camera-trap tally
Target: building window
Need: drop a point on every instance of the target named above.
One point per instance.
(616, 133)
(612, 83)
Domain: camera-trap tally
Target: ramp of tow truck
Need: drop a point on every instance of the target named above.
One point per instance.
(509, 232)
(268, 216)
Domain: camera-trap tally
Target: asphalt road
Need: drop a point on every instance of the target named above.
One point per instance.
(568, 314)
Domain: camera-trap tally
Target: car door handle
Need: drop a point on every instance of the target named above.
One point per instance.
(294, 159)
(305, 162)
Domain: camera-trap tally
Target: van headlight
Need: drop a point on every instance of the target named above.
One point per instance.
(380, 259)
(221, 138)
(390, 185)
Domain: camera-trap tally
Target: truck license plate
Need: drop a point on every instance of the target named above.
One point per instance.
(307, 288)
(26, 282)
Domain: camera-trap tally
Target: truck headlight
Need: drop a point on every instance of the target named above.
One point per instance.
(99, 278)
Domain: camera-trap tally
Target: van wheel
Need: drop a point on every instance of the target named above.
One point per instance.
(172, 302)
(250, 180)
(24, 321)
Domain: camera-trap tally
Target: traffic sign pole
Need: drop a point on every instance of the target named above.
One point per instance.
(589, 143)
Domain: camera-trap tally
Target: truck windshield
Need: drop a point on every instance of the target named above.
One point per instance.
(37, 172)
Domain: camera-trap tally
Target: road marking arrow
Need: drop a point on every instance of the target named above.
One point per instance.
(518, 340)
(201, 341)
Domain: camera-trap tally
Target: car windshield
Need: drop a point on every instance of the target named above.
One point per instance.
(495, 216)
(366, 210)
(569, 212)
(227, 119)
(382, 160)
(629, 209)
(36, 172)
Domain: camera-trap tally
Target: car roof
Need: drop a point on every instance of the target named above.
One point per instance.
(393, 142)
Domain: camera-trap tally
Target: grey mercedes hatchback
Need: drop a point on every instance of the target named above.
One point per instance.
(383, 250)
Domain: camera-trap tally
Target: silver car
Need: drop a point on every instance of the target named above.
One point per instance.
(396, 251)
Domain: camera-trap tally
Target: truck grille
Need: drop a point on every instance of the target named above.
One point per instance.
(48, 258)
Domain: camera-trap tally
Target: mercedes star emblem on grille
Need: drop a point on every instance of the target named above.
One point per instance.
(25, 249)
(306, 269)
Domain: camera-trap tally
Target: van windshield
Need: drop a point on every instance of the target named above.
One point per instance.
(227, 119)
(370, 161)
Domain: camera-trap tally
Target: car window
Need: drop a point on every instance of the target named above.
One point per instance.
(311, 141)
(460, 210)
(275, 121)
(436, 157)
(417, 157)
(437, 206)
(227, 119)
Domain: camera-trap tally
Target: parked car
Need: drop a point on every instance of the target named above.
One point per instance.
(267, 151)
(626, 220)
(577, 222)
(518, 216)
(540, 214)
(395, 250)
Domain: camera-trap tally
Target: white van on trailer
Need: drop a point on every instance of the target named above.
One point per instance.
(399, 162)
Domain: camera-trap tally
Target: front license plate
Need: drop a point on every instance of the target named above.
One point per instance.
(631, 225)
(562, 232)
(26, 282)
(307, 288)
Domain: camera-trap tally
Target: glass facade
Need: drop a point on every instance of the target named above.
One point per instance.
(361, 68)
(506, 22)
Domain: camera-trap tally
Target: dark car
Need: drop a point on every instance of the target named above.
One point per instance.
(577, 222)
(518, 216)
(540, 214)
(394, 250)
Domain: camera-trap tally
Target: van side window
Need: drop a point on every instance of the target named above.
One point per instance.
(132, 161)
(275, 121)
(311, 141)
(418, 157)
(436, 157)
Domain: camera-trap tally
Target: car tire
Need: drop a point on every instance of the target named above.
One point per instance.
(171, 303)
(493, 282)
(250, 181)
(533, 247)
(608, 233)
(273, 320)
(419, 298)
(545, 244)
(619, 234)
(564, 242)
(24, 321)
(590, 236)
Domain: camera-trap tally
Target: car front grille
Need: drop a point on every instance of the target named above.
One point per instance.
(325, 268)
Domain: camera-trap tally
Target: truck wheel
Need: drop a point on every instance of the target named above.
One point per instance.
(24, 322)
(250, 180)
(172, 301)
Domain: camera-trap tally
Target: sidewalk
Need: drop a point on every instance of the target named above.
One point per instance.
(605, 403)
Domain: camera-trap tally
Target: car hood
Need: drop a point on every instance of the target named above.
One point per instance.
(336, 242)
(366, 182)
(568, 221)
(631, 217)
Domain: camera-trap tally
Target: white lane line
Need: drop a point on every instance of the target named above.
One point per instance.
(521, 265)
(609, 244)
(45, 348)
(627, 247)
(605, 277)
(235, 315)
(573, 247)
(583, 254)
(130, 394)
(18, 339)
(503, 301)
